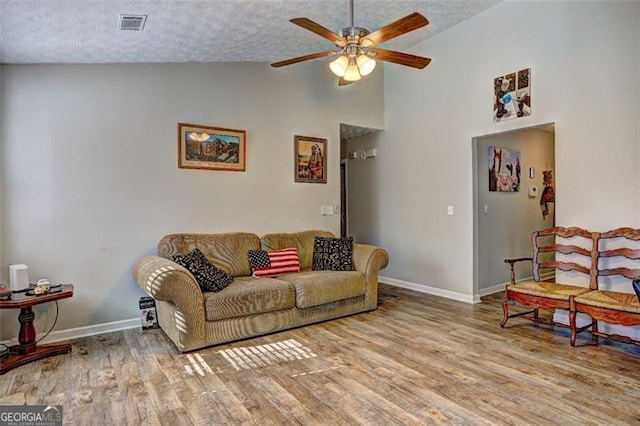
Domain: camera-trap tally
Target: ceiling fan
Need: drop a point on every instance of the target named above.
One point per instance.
(358, 51)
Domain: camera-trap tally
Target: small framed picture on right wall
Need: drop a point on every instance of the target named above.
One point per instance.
(512, 95)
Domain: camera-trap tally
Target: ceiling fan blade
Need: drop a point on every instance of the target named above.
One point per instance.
(401, 26)
(314, 27)
(400, 58)
(343, 82)
(302, 59)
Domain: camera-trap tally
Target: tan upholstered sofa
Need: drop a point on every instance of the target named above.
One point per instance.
(253, 306)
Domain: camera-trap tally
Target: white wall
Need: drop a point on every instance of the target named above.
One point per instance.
(505, 229)
(90, 176)
(584, 58)
(6, 282)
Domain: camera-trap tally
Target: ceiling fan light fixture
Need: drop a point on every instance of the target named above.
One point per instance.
(339, 66)
(352, 73)
(365, 64)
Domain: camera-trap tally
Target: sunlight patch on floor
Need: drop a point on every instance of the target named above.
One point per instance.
(249, 357)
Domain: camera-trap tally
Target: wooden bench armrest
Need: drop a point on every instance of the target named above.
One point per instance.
(519, 259)
(512, 262)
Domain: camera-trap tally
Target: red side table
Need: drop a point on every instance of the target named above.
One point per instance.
(27, 350)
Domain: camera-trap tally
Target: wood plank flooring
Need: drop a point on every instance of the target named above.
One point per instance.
(417, 359)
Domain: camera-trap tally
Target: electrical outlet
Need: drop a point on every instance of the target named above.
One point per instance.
(450, 210)
(326, 210)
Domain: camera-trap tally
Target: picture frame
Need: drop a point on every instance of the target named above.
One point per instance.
(512, 95)
(504, 169)
(310, 159)
(211, 148)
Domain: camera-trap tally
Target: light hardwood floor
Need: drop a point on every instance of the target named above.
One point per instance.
(417, 359)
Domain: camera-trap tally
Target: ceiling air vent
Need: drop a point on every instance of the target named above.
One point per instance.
(131, 22)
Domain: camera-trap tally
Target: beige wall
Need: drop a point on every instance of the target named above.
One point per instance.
(584, 58)
(90, 177)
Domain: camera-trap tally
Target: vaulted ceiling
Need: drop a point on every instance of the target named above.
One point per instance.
(86, 31)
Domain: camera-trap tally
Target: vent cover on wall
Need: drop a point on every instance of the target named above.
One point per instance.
(131, 22)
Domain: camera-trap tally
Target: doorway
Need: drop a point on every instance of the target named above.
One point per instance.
(512, 172)
(344, 224)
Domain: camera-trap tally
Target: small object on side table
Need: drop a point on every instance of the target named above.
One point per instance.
(41, 289)
(5, 292)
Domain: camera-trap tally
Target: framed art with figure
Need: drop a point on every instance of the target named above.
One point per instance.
(211, 148)
(310, 159)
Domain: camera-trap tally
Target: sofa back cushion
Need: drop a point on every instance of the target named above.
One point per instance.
(303, 241)
(226, 251)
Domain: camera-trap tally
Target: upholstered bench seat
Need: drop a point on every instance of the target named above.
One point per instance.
(547, 289)
(625, 302)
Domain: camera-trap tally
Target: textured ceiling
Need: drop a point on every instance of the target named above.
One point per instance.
(86, 31)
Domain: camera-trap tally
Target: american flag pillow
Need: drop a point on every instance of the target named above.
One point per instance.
(274, 262)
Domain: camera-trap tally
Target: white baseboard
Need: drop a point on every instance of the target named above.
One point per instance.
(430, 290)
(90, 330)
(491, 290)
(452, 294)
(500, 287)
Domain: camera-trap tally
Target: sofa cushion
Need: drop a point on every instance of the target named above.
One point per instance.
(272, 263)
(208, 276)
(226, 251)
(334, 254)
(315, 288)
(303, 241)
(249, 296)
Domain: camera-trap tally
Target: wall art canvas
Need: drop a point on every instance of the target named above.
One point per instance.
(212, 148)
(512, 95)
(310, 159)
(548, 194)
(504, 170)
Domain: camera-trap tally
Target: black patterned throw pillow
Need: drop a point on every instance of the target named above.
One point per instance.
(208, 276)
(333, 254)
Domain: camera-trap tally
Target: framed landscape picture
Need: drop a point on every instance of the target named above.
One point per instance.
(212, 148)
(310, 159)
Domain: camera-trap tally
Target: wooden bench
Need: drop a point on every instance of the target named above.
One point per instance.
(618, 258)
(572, 249)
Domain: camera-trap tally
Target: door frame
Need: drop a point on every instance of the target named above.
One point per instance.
(475, 171)
(344, 197)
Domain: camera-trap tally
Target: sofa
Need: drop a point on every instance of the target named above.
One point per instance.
(250, 306)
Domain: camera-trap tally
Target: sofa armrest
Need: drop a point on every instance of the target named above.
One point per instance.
(166, 281)
(370, 260)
